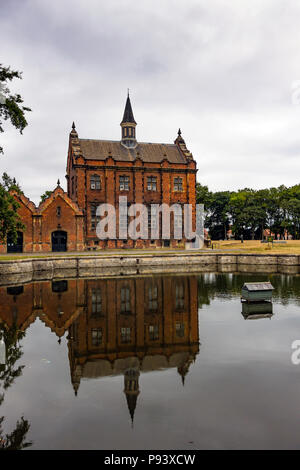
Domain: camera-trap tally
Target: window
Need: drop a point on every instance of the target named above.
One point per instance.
(125, 335)
(153, 220)
(96, 301)
(125, 300)
(151, 183)
(58, 211)
(59, 286)
(178, 218)
(153, 297)
(95, 182)
(179, 296)
(96, 336)
(153, 332)
(177, 184)
(94, 218)
(179, 330)
(15, 290)
(123, 221)
(124, 183)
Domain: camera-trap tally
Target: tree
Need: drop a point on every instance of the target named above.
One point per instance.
(11, 104)
(45, 195)
(10, 222)
(217, 220)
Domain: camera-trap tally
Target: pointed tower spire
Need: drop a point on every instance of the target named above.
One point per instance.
(128, 125)
(73, 133)
(131, 390)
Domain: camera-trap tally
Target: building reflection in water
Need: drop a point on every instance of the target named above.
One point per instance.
(114, 326)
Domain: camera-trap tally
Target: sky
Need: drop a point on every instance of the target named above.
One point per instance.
(227, 72)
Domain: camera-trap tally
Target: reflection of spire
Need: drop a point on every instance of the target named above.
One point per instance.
(76, 377)
(131, 390)
(184, 368)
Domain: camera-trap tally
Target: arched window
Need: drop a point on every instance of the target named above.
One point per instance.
(95, 182)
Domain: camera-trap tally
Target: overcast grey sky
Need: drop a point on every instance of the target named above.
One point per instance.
(222, 70)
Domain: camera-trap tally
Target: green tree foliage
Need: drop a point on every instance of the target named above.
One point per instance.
(249, 212)
(45, 195)
(9, 219)
(11, 108)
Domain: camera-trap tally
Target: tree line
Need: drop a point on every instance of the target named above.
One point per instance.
(249, 212)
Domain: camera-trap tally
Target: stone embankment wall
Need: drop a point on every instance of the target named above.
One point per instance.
(27, 270)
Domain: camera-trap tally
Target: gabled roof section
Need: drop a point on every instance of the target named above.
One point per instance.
(24, 200)
(59, 192)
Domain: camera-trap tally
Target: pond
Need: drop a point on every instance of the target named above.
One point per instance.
(154, 362)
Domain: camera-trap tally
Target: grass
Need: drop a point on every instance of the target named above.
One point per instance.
(255, 246)
(291, 247)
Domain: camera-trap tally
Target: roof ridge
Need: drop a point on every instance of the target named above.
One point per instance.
(138, 143)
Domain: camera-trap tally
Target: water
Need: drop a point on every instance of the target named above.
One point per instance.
(165, 362)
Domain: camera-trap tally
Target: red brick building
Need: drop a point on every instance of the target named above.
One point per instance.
(57, 224)
(100, 171)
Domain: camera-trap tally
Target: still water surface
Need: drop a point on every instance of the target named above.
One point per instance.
(166, 362)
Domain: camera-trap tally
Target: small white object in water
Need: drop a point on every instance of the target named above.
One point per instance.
(2, 352)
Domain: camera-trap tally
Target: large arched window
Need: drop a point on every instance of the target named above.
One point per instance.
(95, 182)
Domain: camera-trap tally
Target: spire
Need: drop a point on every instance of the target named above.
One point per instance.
(73, 132)
(184, 368)
(131, 390)
(179, 141)
(128, 114)
(128, 125)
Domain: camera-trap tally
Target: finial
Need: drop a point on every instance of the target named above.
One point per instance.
(58, 182)
(73, 126)
(179, 131)
(128, 92)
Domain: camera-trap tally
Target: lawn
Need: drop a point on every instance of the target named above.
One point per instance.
(255, 246)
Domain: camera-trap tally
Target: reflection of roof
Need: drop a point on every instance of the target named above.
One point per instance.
(102, 367)
(147, 152)
(257, 316)
(256, 286)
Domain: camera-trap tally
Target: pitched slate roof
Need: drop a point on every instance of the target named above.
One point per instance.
(147, 152)
(257, 286)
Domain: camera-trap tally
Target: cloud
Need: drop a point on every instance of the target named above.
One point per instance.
(221, 71)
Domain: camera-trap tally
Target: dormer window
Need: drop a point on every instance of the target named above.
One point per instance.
(95, 182)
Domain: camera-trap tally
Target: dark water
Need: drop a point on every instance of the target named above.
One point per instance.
(166, 362)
